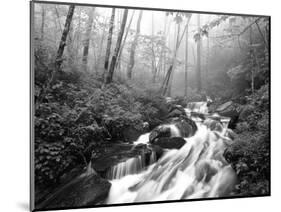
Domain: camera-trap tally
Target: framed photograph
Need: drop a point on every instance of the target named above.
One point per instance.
(138, 105)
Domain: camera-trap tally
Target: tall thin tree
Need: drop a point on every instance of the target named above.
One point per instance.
(133, 48)
(62, 44)
(109, 40)
(86, 41)
(42, 21)
(109, 75)
(186, 62)
(118, 62)
(198, 72)
(177, 44)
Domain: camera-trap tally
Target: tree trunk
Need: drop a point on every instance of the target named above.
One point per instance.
(117, 48)
(167, 83)
(69, 47)
(109, 40)
(186, 63)
(86, 42)
(133, 48)
(207, 64)
(43, 22)
(97, 65)
(174, 62)
(252, 63)
(59, 59)
(76, 39)
(118, 62)
(198, 74)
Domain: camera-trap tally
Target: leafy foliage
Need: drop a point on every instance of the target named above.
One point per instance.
(77, 116)
(249, 154)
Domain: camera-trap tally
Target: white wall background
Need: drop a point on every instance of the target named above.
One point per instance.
(14, 117)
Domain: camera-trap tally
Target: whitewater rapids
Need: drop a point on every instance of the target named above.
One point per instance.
(197, 170)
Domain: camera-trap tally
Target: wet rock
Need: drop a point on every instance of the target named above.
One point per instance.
(82, 191)
(160, 131)
(175, 111)
(175, 127)
(158, 151)
(140, 146)
(170, 143)
(213, 125)
(224, 106)
(186, 126)
(231, 110)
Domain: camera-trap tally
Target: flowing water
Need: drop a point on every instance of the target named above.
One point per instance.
(197, 170)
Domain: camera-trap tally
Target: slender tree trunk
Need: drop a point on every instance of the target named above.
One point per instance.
(167, 83)
(252, 63)
(59, 60)
(77, 39)
(117, 48)
(86, 42)
(118, 62)
(207, 64)
(198, 74)
(174, 61)
(186, 63)
(43, 22)
(69, 47)
(109, 40)
(133, 48)
(97, 65)
(160, 63)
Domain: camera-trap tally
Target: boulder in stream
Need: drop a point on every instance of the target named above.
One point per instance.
(175, 127)
(170, 143)
(231, 110)
(82, 191)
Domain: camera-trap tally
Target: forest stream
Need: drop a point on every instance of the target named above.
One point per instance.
(190, 165)
(196, 170)
(135, 105)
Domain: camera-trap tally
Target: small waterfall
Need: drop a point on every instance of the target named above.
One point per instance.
(130, 166)
(152, 158)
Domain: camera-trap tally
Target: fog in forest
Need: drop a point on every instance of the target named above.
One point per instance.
(138, 105)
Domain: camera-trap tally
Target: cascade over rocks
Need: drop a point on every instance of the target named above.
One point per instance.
(177, 127)
(118, 153)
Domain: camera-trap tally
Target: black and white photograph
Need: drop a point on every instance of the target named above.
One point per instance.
(135, 105)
